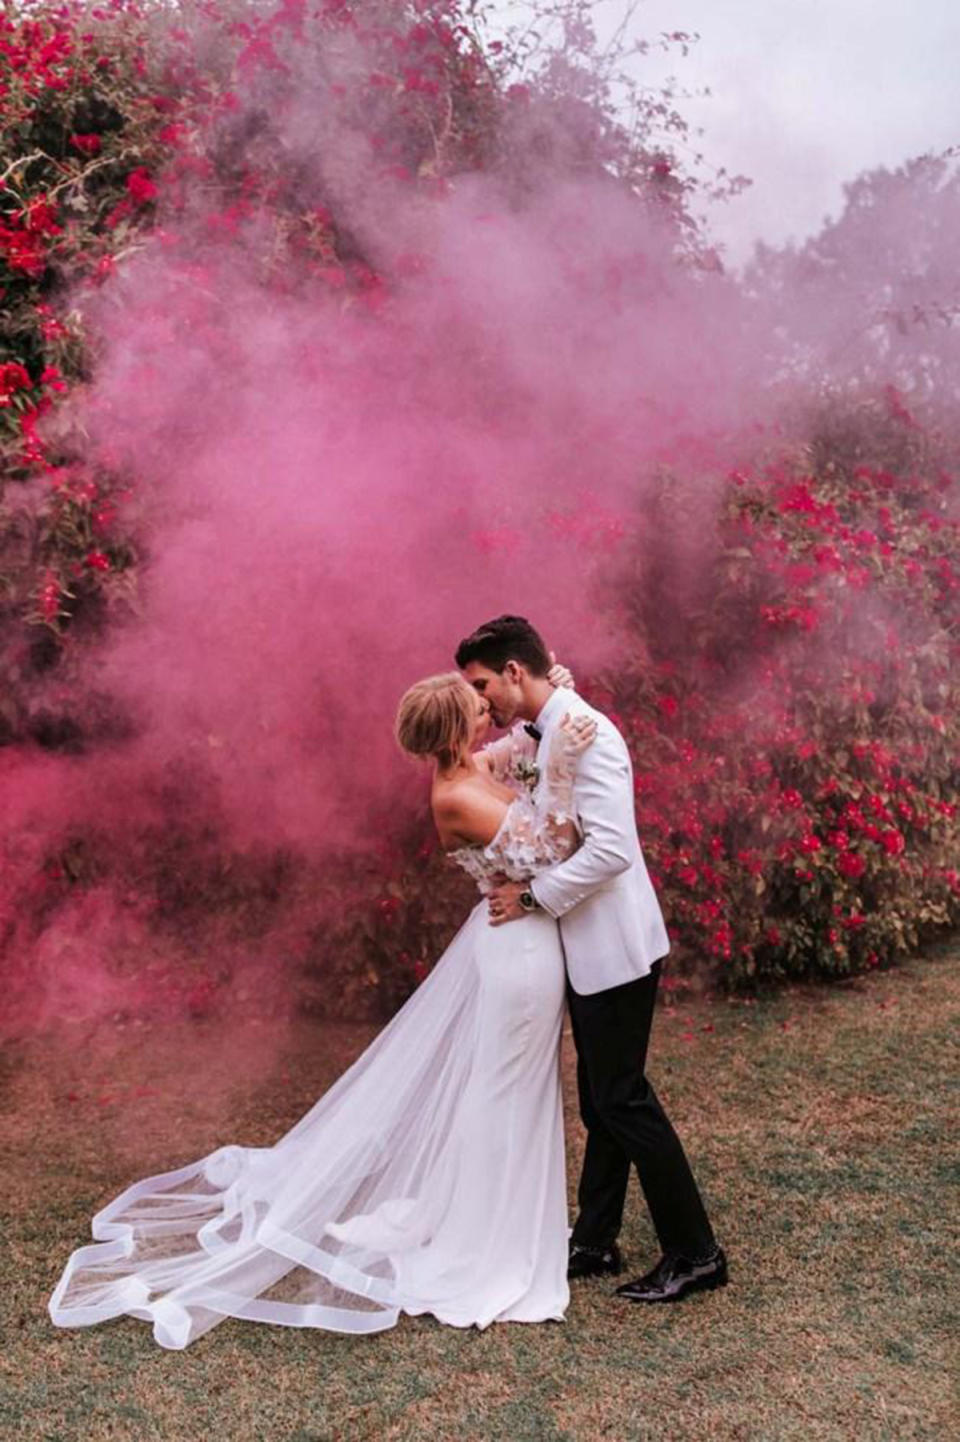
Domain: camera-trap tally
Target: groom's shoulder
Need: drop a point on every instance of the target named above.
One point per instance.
(601, 717)
(578, 705)
(607, 729)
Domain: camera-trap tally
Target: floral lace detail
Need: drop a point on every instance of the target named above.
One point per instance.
(528, 841)
(513, 759)
(477, 864)
(537, 830)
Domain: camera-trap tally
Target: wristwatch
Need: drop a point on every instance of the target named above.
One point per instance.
(528, 901)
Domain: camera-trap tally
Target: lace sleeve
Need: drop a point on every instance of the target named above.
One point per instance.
(527, 842)
(509, 755)
(539, 831)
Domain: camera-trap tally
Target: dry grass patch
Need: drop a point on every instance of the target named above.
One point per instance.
(818, 1122)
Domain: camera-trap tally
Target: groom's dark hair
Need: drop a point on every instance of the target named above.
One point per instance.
(508, 638)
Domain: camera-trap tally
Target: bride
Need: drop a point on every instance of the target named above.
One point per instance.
(430, 1178)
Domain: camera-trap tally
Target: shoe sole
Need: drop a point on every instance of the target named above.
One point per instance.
(710, 1284)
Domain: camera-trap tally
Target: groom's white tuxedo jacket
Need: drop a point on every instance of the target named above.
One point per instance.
(610, 921)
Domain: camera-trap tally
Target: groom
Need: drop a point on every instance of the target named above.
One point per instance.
(613, 938)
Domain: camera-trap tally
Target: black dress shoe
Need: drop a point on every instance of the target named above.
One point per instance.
(673, 1277)
(593, 1261)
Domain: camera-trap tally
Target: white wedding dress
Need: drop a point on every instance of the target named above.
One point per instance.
(429, 1179)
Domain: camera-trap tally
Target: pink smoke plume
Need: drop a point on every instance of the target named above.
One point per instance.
(343, 495)
(334, 493)
(337, 494)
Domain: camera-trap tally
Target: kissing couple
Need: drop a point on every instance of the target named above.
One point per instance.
(431, 1177)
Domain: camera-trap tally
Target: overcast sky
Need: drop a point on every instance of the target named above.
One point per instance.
(806, 94)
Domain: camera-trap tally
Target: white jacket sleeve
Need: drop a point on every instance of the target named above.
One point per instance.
(604, 805)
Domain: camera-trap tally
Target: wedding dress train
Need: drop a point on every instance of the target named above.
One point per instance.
(430, 1178)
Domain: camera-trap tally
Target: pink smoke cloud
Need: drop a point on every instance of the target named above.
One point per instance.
(334, 485)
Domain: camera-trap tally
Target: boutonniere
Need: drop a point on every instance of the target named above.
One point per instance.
(526, 773)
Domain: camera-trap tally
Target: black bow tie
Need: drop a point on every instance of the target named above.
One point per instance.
(532, 730)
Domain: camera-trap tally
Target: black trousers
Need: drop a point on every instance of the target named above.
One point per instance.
(625, 1123)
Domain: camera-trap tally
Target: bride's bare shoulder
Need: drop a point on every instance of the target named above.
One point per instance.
(456, 793)
(466, 809)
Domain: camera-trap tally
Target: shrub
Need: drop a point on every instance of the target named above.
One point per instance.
(786, 684)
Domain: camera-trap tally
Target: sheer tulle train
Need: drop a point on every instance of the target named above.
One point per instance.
(429, 1178)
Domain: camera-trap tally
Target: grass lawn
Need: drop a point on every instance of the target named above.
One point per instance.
(818, 1123)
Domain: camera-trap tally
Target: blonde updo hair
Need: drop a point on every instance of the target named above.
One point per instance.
(436, 717)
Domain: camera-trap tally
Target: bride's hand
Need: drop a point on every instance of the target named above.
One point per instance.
(560, 675)
(578, 732)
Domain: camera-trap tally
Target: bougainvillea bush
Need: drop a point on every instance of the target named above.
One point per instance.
(797, 764)
(790, 698)
(792, 710)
